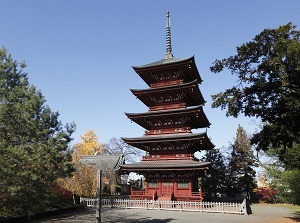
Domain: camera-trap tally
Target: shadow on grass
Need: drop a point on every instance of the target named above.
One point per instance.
(295, 217)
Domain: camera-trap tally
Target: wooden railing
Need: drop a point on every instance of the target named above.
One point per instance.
(138, 192)
(196, 194)
(218, 207)
(169, 156)
(167, 83)
(167, 106)
(168, 131)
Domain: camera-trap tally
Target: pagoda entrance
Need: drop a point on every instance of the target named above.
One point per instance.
(167, 188)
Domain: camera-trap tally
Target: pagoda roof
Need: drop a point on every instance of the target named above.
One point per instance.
(186, 66)
(197, 117)
(201, 140)
(163, 62)
(194, 96)
(166, 165)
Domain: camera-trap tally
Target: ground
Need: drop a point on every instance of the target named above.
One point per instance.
(260, 214)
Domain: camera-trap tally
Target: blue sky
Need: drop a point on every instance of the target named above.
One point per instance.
(80, 53)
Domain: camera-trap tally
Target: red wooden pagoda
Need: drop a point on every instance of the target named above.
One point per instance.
(175, 105)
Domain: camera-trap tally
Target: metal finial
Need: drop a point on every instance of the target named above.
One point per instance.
(168, 39)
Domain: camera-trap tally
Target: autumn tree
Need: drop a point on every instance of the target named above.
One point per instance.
(268, 72)
(83, 182)
(34, 145)
(241, 163)
(117, 146)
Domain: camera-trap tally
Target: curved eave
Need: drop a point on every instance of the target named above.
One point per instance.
(139, 142)
(165, 64)
(196, 114)
(195, 99)
(168, 112)
(167, 165)
(168, 137)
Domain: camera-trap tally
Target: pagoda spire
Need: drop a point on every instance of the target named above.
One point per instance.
(168, 39)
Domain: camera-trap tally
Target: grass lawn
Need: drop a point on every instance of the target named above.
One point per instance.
(296, 208)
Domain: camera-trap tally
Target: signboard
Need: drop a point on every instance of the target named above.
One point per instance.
(102, 162)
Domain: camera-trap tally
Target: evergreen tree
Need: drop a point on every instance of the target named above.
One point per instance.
(33, 143)
(241, 163)
(216, 181)
(268, 72)
(284, 181)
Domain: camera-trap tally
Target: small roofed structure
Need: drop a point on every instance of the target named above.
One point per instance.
(110, 166)
(104, 162)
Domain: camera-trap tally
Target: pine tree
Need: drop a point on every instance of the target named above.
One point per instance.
(214, 182)
(267, 68)
(241, 163)
(282, 180)
(33, 143)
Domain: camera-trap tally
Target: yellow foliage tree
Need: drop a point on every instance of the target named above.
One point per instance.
(84, 179)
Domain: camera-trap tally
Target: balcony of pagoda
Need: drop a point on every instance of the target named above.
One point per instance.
(168, 157)
(166, 83)
(168, 131)
(167, 106)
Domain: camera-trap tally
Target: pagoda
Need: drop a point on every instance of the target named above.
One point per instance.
(175, 104)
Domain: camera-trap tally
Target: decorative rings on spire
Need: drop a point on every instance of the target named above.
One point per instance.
(168, 39)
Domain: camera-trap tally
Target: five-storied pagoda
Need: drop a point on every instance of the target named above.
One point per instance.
(175, 105)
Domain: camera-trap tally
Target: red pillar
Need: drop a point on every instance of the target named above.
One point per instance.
(159, 192)
(190, 188)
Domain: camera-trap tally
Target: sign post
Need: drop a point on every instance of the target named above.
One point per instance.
(98, 206)
(99, 162)
(102, 162)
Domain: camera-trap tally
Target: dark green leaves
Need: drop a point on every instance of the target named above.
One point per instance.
(268, 70)
(242, 162)
(33, 143)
